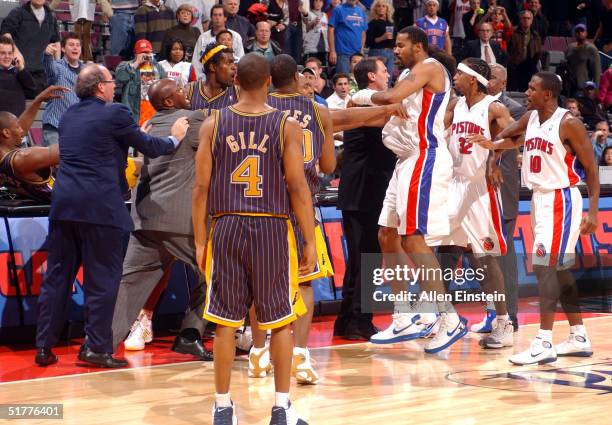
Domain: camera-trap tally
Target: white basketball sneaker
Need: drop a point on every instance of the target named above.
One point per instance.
(575, 346)
(502, 335)
(224, 415)
(452, 328)
(404, 327)
(288, 416)
(140, 334)
(301, 367)
(487, 323)
(259, 363)
(244, 338)
(540, 352)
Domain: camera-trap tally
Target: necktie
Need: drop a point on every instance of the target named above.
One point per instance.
(487, 54)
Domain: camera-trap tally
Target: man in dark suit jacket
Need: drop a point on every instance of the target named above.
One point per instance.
(163, 230)
(367, 166)
(483, 48)
(509, 192)
(88, 218)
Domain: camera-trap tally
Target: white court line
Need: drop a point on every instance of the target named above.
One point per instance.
(125, 370)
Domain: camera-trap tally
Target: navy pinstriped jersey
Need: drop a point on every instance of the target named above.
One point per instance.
(195, 93)
(38, 190)
(247, 172)
(304, 110)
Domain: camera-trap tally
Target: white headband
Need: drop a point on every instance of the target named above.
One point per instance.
(467, 70)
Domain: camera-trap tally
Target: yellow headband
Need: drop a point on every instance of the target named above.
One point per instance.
(213, 52)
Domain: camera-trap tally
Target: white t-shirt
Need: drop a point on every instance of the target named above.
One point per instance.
(177, 72)
(39, 13)
(460, 10)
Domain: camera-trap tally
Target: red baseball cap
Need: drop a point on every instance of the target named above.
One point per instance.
(142, 46)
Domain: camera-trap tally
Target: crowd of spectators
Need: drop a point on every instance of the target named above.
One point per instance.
(154, 39)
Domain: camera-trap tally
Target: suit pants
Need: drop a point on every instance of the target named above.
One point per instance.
(100, 250)
(361, 233)
(149, 257)
(508, 266)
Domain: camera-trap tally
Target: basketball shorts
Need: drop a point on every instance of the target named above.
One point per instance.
(475, 216)
(555, 218)
(416, 199)
(323, 268)
(252, 260)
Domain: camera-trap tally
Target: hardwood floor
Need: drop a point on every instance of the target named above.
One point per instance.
(361, 384)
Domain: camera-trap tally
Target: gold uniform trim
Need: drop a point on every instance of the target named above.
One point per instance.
(250, 114)
(324, 266)
(318, 117)
(216, 114)
(206, 98)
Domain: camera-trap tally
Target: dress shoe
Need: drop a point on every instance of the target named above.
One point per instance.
(100, 359)
(340, 325)
(360, 331)
(515, 323)
(183, 345)
(45, 357)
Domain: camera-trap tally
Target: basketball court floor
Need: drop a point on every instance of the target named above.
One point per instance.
(361, 384)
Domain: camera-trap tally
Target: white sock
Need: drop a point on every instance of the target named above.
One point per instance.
(452, 319)
(300, 350)
(402, 307)
(490, 305)
(223, 400)
(503, 318)
(446, 307)
(258, 351)
(578, 330)
(545, 335)
(282, 400)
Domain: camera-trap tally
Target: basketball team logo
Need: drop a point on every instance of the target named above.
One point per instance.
(540, 250)
(488, 243)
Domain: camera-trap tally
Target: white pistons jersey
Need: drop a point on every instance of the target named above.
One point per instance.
(470, 160)
(547, 165)
(424, 128)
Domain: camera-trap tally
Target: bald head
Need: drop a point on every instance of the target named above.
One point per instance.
(253, 71)
(6, 120)
(497, 82)
(161, 90)
(10, 130)
(95, 80)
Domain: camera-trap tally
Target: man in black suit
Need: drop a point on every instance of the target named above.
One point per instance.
(88, 220)
(509, 192)
(483, 48)
(367, 166)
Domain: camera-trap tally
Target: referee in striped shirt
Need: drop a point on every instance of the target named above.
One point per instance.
(61, 72)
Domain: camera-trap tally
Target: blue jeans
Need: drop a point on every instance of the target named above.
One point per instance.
(122, 32)
(293, 45)
(50, 135)
(388, 57)
(343, 64)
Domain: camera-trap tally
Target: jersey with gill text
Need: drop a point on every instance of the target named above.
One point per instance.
(470, 160)
(547, 165)
(247, 176)
(424, 128)
(304, 110)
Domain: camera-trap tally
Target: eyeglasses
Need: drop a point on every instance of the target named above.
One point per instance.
(108, 81)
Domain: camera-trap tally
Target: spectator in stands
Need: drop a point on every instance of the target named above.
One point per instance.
(471, 19)
(315, 37)
(540, 23)
(218, 21)
(27, 171)
(200, 11)
(185, 30)
(238, 23)
(590, 108)
(601, 139)
(605, 90)
(502, 27)
(278, 18)
(320, 83)
(136, 76)
(82, 13)
(262, 43)
(152, 20)
(226, 38)
(604, 31)
(355, 59)
(346, 34)
(295, 36)
(122, 27)
(558, 14)
(311, 78)
(484, 48)
(573, 106)
(524, 52)
(606, 157)
(458, 8)
(583, 57)
(379, 36)
(436, 28)
(16, 83)
(340, 98)
(32, 26)
(176, 66)
(61, 72)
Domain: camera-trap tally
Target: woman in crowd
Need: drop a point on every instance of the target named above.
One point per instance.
(315, 35)
(278, 18)
(606, 157)
(176, 67)
(379, 36)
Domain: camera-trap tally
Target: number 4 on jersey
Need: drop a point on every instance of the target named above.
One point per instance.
(247, 173)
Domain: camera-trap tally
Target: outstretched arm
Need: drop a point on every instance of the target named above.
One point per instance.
(27, 117)
(201, 184)
(29, 160)
(377, 116)
(327, 161)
